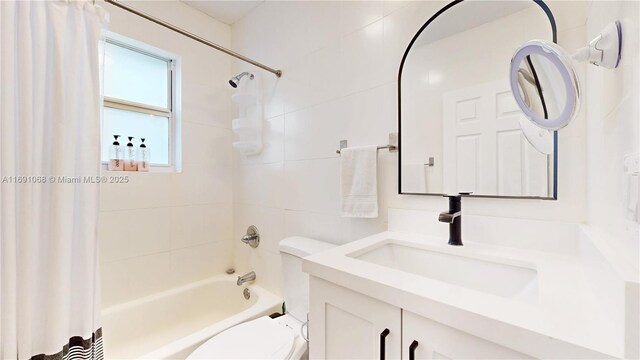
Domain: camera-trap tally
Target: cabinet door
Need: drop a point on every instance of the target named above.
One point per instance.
(344, 324)
(438, 341)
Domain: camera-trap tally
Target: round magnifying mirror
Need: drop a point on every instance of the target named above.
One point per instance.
(544, 84)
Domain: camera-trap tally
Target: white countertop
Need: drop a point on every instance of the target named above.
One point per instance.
(566, 315)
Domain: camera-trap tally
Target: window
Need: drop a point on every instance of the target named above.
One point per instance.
(139, 99)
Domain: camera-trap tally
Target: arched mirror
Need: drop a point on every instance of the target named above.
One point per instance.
(461, 129)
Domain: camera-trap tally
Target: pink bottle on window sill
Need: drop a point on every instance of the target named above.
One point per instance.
(116, 160)
(143, 156)
(130, 161)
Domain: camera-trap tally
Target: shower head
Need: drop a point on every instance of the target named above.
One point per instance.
(235, 81)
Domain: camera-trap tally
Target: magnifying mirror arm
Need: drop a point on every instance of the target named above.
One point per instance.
(553, 69)
(605, 49)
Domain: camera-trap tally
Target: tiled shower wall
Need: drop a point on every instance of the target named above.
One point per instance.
(613, 130)
(340, 62)
(163, 230)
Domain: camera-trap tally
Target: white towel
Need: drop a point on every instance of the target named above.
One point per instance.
(358, 175)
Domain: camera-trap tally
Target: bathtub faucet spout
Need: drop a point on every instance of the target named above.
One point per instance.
(247, 277)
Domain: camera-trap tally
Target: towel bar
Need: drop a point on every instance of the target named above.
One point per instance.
(393, 139)
(380, 147)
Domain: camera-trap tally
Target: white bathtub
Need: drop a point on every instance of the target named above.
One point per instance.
(173, 323)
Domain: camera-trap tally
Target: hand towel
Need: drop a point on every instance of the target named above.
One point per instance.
(359, 181)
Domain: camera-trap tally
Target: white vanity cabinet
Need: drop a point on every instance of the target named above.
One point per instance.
(476, 301)
(345, 324)
(438, 341)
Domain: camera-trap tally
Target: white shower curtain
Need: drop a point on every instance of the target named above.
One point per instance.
(49, 141)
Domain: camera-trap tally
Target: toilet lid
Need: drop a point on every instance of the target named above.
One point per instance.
(262, 338)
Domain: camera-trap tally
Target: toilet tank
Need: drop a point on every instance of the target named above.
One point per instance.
(295, 281)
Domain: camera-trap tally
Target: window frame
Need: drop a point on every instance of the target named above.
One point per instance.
(173, 110)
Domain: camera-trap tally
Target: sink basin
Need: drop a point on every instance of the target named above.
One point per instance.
(490, 276)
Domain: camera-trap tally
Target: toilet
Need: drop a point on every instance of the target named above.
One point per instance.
(267, 338)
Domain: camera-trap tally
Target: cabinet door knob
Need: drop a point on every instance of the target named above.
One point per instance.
(412, 350)
(383, 336)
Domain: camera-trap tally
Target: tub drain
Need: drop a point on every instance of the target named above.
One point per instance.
(246, 293)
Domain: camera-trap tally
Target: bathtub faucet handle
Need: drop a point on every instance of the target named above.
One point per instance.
(252, 237)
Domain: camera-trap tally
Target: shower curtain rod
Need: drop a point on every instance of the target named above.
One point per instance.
(197, 38)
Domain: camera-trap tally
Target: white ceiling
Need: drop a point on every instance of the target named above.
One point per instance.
(226, 11)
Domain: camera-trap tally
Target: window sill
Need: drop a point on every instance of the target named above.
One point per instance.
(153, 169)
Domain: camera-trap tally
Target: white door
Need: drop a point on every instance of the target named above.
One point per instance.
(344, 324)
(485, 151)
(427, 339)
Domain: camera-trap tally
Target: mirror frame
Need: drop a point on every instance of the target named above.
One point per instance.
(554, 34)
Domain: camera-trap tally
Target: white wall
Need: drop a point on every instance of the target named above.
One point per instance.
(340, 62)
(163, 230)
(613, 129)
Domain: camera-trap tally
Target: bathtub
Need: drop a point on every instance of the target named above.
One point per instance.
(173, 323)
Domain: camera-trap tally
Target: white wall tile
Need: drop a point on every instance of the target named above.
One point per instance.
(556, 237)
(112, 237)
(260, 184)
(148, 230)
(143, 190)
(199, 224)
(355, 15)
(201, 185)
(200, 261)
(389, 6)
(399, 28)
(247, 185)
(312, 185)
(291, 33)
(131, 233)
(324, 227)
(206, 145)
(319, 18)
(361, 59)
(417, 222)
(360, 228)
(183, 16)
(273, 150)
(316, 78)
(570, 14)
(370, 115)
(272, 96)
(270, 270)
(114, 283)
(199, 105)
(315, 132)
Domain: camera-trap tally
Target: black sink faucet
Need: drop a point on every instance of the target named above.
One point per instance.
(454, 218)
